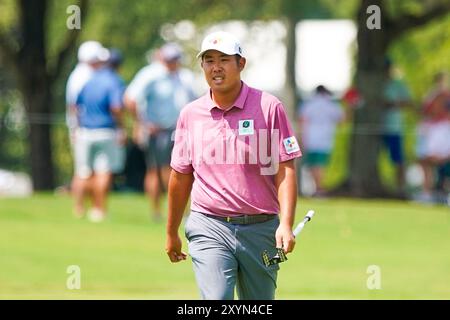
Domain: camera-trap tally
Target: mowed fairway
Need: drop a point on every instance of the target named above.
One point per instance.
(124, 257)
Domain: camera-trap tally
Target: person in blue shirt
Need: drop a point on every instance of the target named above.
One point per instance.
(396, 97)
(89, 55)
(99, 151)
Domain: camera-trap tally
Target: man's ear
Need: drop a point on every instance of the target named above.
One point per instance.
(242, 62)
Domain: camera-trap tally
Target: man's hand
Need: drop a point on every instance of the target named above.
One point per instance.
(121, 137)
(285, 238)
(180, 186)
(173, 248)
(153, 129)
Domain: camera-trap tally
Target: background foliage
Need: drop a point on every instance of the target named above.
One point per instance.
(135, 27)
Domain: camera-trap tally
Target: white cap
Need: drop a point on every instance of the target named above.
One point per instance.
(92, 51)
(221, 41)
(171, 51)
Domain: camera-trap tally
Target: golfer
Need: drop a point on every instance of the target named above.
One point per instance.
(222, 144)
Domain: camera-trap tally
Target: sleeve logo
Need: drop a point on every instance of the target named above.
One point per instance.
(291, 145)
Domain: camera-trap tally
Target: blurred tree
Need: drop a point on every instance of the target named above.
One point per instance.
(24, 50)
(38, 49)
(427, 47)
(397, 18)
(11, 131)
(293, 12)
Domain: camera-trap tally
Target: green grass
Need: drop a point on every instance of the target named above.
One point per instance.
(124, 257)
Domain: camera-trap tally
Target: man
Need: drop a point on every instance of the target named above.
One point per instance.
(396, 98)
(156, 96)
(234, 199)
(100, 138)
(319, 117)
(88, 61)
(89, 53)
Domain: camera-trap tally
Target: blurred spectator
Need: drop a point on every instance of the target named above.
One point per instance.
(89, 59)
(156, 95)
(100, 137)
(318, 119)
(396, 97)
(433, 145)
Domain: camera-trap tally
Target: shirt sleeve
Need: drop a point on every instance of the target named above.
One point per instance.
(70, 96)
(79, 98)
(181, 154)
(142, 79)
(136, 85)
(287, 142)
(116, 95)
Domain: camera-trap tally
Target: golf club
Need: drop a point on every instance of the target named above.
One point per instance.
(280, 256)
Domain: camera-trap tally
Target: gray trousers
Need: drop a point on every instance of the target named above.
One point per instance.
(226, 256)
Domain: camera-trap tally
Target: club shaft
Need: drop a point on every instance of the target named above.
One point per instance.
(301, 225)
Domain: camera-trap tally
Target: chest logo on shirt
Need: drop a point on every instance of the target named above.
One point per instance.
(246, 127)
(291, 145)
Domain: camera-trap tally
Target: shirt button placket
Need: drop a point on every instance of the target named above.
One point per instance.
(224, 124)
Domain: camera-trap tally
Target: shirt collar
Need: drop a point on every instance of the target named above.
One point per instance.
(239, 102)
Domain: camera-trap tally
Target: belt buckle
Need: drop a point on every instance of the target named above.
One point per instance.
(228, 219)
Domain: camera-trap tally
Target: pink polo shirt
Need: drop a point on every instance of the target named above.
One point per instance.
(234, 154)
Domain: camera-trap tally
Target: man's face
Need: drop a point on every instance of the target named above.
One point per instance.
(222, 72)
(172, 65)
(97, 64)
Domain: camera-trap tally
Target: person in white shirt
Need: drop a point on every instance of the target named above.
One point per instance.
(318, 118)
(433, 132)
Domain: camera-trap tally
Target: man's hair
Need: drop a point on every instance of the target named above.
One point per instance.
(321, 89)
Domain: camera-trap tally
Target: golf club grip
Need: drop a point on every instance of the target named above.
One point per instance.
(301, 225)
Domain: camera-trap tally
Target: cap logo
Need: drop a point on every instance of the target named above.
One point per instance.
(221, 41)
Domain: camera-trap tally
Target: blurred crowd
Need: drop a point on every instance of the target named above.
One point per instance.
(319, 116)
(97, 100)
(103, 146)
